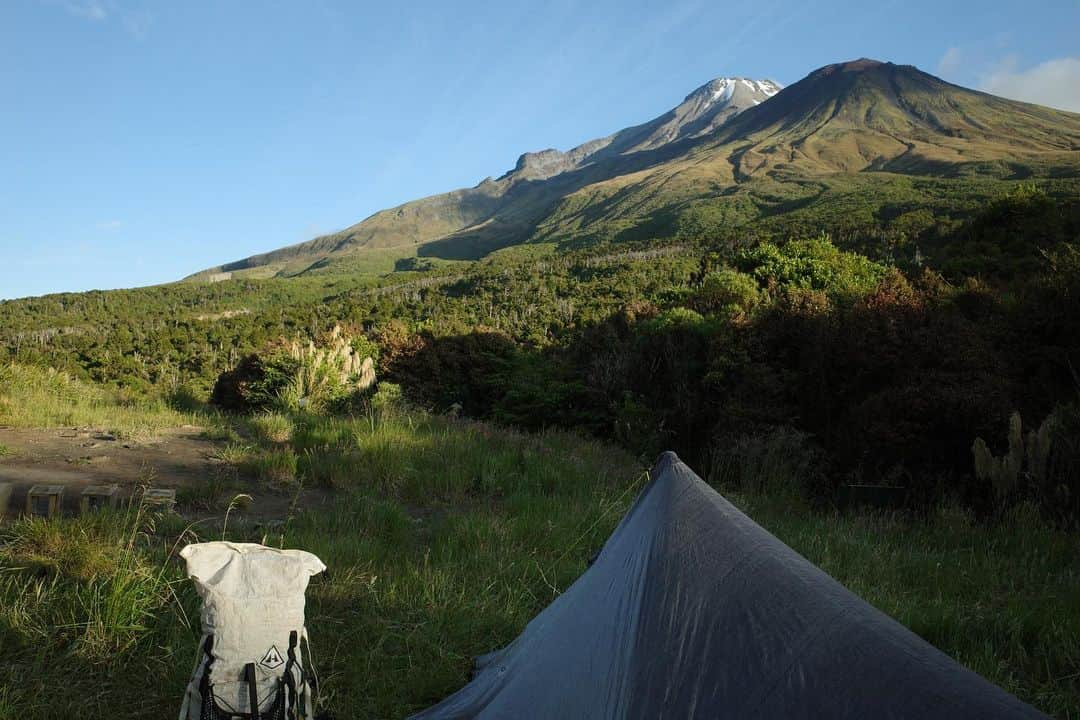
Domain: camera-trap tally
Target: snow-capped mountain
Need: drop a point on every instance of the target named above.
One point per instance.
(731, 136)
(701, 112)
(505, 205)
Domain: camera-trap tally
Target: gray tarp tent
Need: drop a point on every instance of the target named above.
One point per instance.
(691, 610)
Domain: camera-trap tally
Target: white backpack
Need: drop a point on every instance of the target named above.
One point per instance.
(250, 664)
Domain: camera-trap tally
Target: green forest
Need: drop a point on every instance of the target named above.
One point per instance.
(877, 355)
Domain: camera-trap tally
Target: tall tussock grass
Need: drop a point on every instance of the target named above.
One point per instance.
(83, 587)
(33, 397)
(272, 427)
(781, 462)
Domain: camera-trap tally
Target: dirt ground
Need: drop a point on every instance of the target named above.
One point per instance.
(178, 458)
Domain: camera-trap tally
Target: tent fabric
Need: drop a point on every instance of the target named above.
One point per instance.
(692, 610)
(253, 602)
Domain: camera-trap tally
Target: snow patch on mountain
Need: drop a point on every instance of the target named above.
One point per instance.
(724, 90)
(701, 112)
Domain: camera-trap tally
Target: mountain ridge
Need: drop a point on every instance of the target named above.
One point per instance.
(437, 216)
(844, 118)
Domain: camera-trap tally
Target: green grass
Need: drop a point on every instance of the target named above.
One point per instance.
(446, 537)
(276, 467)
(76, 592)
(234, 453)
(220, 485)
(32, 397)
(1001, 598)
(5, 451)
(219, 429)
(272, 427)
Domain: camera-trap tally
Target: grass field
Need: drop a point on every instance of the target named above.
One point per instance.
(444, 539)
(32, 397)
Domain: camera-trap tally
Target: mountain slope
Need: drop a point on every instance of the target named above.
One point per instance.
(736, 142)
(510, 204)
(879, 116)
(843, 125)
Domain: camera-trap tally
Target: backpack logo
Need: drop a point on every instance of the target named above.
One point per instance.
(272, 658)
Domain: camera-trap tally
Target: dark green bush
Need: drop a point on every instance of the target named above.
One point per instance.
(781, 461)
(255, 383)
(815, 264)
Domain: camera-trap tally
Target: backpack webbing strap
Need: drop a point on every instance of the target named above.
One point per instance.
(312, 682)
(290, 680)
(253, 690)
(207, 711)
(204, 681)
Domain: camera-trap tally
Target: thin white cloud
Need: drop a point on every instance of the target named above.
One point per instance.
(89, 9)
(136, 22)
(950, 62)
(1054, 83)
(109, 225)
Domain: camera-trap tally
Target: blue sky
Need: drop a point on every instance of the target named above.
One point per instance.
(142, 141)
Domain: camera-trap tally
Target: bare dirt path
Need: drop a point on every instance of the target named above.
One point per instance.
(177, 458)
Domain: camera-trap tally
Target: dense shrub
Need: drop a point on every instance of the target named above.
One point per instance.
(1011, 235)
(254, 383)
(893, 377)
(781, 461)
(811, 264)
(727, 291)
(1060, 487)
(468, 370)
(638, 426)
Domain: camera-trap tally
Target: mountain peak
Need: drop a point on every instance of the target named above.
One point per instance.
(723, 89)
(867, 114)
(851, 66)
(701, 112)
